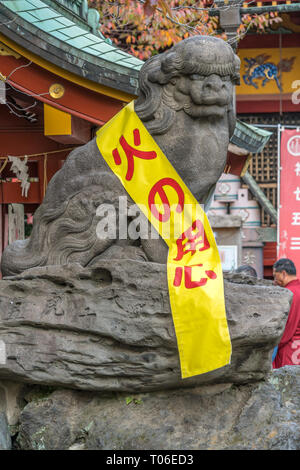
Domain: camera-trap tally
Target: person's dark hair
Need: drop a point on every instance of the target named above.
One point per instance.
(285, 264)
(246, 269)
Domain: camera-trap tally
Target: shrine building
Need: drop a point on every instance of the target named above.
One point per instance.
(268, 98)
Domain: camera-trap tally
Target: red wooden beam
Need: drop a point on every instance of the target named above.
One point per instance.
(78, 101)
(256, 41)
(12, 193)
(267, 106)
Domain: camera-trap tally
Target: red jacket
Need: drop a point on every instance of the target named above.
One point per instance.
(289, 347)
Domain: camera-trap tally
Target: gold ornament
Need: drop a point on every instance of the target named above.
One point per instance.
(4, 50)
(56, 91)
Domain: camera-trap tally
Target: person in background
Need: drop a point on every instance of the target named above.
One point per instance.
(246, 269)
(288, 353)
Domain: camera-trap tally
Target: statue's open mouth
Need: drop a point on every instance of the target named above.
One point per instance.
(213, 109)
(212, 100)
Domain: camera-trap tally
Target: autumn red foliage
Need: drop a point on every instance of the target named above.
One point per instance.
(147, 27)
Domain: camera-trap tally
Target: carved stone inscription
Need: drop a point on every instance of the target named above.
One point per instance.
(59, 304)
(54, 306)
(13, 308)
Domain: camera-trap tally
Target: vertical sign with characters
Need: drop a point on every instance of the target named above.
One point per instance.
(289, 210)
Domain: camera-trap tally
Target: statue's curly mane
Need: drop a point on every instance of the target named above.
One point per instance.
(154, 106)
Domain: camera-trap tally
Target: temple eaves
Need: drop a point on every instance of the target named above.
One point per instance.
(51, 31)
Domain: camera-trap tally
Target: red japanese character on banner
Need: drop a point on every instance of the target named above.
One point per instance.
(158, 188)
(189, 284)
(192, 240)
(131, 152)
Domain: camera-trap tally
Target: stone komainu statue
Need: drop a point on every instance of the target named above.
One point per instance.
(186, 103)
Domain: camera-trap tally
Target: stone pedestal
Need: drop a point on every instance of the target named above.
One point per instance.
(110, 328)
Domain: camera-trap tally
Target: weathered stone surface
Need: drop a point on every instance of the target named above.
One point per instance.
(110, 328)
(5, 439)
(224, 416)
(186, 103)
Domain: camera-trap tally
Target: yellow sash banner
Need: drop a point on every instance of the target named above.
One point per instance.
(194, 268)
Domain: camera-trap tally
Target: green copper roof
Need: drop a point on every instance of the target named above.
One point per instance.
(73, 33)
(249, 137)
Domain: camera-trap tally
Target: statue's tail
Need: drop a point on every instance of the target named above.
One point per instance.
(65, 234)
(24, 254)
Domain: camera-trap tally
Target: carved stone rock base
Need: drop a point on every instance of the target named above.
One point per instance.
(110, 328)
